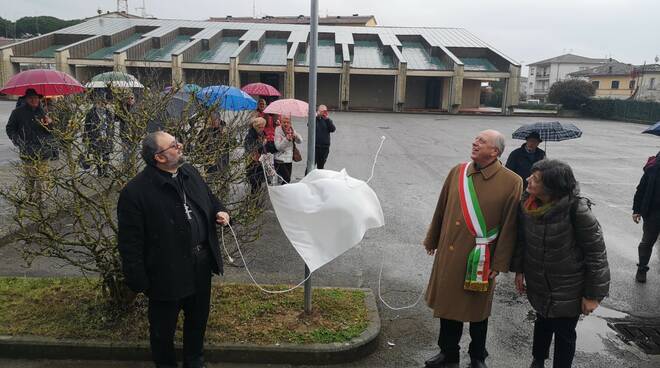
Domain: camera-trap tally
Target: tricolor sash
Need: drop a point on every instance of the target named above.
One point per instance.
(478, 262)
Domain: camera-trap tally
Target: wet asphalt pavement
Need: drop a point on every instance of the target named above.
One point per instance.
(417, 154)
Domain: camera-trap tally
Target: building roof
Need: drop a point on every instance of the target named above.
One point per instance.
(354, 20)
(611, 68)
(648, 68)
(570, 59)
(370, 47)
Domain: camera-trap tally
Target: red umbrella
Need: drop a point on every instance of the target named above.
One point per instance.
(46, 82)
(288, 106)
(260, 89)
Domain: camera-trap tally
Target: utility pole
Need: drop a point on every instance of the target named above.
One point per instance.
(311, 121)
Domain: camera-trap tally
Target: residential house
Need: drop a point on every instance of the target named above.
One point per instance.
(612, 80)
(648, 82)
(544, 73)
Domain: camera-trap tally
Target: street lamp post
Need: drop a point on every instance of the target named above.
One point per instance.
(311, 122)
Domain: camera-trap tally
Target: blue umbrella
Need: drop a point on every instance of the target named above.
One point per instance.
(228, 98)
(653, 129)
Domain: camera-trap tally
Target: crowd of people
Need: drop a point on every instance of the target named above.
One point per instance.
(527, 217)
(270, 138)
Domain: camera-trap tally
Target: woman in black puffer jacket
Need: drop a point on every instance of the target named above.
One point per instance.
(561, 257)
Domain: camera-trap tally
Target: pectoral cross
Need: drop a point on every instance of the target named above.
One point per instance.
(187, 210)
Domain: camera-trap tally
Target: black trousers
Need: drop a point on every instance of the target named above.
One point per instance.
(255, 174)
(163, 317)
(650, 235)
(283, 169)
(450, 336)
(564, 331)
(321, 155)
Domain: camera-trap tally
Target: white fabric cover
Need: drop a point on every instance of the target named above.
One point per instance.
(325, 214)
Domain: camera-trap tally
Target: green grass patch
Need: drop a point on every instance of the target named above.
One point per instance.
(73, 308)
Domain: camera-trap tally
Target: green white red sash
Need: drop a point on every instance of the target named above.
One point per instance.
(478, 263)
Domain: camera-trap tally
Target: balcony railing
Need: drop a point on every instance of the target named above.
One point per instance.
(540, 90)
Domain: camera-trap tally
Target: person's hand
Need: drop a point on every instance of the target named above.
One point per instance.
(636, 217)
(520, 283)
(430, 251)
(493, 274)
(222, 218)
(46, 120)
(589, 305)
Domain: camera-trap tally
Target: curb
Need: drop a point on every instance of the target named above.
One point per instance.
(27, 347)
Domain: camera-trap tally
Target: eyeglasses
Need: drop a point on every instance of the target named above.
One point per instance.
(174, 144)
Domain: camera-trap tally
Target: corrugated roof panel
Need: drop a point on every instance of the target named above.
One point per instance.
(298, 36)
(418, 57)
(165, 53)
(221, 53)
(367, 54)
(325, 55)
(273, 52)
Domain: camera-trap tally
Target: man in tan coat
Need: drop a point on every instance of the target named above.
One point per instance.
(472, 236)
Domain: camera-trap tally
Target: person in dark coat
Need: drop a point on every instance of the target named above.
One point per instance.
(521, 159)
(561, 256)
(168, 245)
(255, 145)
(646, 205)
(30, 130)
(126, 128)
(100, 135)
(324, 126)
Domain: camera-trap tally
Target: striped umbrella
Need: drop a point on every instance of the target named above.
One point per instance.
(114, 79)
(46, 82)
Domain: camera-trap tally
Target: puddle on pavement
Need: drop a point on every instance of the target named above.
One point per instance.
(592, 331)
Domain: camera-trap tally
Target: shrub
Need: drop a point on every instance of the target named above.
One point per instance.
(572, 93)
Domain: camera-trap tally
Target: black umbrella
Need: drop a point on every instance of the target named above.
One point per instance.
(653, 129)
(181, 106)
(553, 131)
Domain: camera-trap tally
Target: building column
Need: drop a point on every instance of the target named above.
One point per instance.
(456, 90)
(511, 93)
(119, 59)
(178, 77)
(7, 68)
(400, 87)
(290, 79)
(62, 62)
(344, 85)
(234, 75)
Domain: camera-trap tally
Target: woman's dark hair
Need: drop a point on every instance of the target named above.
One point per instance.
(558, 179)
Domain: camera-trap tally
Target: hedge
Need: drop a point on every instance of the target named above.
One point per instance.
(627, 110)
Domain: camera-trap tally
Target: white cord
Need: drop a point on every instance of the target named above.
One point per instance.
(250, 273)
(373, 167)
(380, 276)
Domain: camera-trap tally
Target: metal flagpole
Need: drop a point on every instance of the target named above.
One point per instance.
(311, 121)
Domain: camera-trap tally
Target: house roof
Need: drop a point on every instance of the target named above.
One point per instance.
(648, 68)
(571, 59)
(613, 68)
(354, 20)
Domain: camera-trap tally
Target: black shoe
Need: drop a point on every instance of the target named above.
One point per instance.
(537, 364)
(477, 363)
(441, 360)
(640, 276)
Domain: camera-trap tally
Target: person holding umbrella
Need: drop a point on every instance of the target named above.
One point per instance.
(30, 130)
(99, 134)
(521, 159)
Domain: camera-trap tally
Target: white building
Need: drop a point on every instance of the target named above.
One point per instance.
(648, 82)
(544, 73)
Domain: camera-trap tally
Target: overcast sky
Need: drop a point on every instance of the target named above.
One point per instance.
(525, 30)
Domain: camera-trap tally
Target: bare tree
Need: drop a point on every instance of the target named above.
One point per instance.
(66, 209)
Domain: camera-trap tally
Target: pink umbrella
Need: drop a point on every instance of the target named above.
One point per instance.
(288, 106)
(260, 89)
(46, 82)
